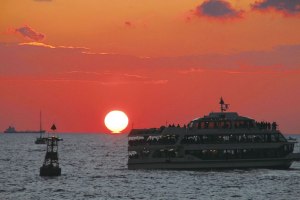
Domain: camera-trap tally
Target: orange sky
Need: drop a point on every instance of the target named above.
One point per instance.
(156, 60)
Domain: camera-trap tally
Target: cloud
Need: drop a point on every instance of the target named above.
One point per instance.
(156, 82)
(128, 24)
(29, 33)
(135, 76)
(218, 9)
(110, 78)
(287, 7)
(39, 44)
(39, 59)
(191, 70)
(242, 70)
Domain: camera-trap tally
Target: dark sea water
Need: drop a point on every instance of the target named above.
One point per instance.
(95, 167)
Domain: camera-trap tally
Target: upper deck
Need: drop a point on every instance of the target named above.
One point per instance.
(216, 123)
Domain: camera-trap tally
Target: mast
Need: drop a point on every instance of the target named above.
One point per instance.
(40, 123)
(40, 120)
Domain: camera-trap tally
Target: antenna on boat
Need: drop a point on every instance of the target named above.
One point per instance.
(40, 121)
(224, 106)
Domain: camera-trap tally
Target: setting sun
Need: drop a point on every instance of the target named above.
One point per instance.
(116, 121)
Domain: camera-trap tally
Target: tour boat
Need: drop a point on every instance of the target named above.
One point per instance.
(219, 140)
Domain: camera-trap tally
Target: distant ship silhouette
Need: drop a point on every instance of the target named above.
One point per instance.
(12, 129)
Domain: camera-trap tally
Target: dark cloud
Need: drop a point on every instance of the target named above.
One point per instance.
(29, 33)
(217, 9)
(289, 7)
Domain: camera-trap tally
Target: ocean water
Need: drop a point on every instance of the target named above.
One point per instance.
(95, 167)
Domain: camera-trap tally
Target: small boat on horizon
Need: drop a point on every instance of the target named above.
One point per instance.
(41, 140)
(11, 129)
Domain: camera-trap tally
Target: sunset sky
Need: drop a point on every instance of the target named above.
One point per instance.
(158, 61)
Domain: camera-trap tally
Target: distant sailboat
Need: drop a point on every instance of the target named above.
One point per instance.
(41, 139)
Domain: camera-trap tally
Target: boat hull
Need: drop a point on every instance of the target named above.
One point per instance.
(24, 131)
(278, 163)
(40, 140)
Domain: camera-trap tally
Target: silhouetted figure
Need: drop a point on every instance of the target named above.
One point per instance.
(269, 125)
(161, 128)
(274, 126)
(199, 125)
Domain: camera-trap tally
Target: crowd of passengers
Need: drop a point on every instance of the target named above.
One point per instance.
(163, 140)
(178, 126)
(266, 125)
(217, 139)
(236, 125)
(228, 125)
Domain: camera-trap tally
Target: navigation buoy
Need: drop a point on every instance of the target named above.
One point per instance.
(51, 165)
